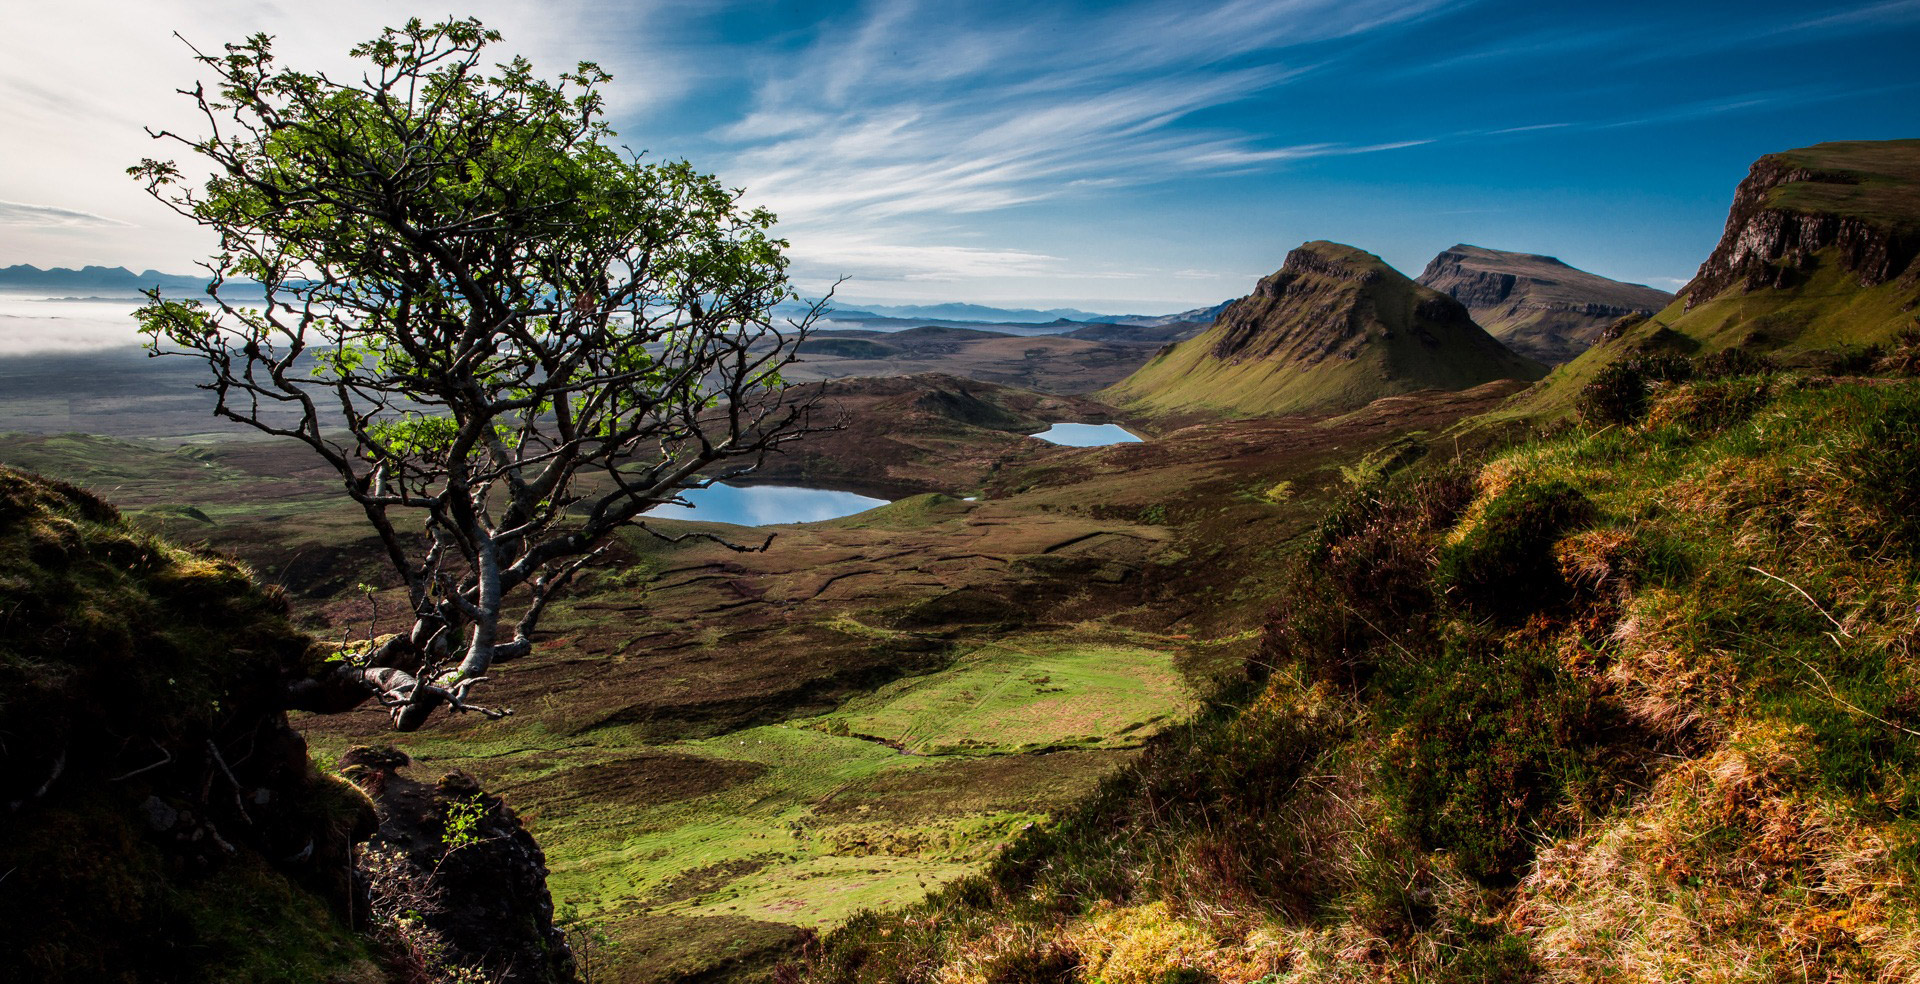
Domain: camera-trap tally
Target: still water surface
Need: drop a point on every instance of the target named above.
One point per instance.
(1087, 435)
(765, 505)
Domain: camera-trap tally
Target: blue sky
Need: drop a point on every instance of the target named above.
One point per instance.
(1143, 156)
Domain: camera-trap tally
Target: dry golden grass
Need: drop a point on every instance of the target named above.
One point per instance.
(1665, 685)
(1142, 944)
(1600, 562)
(1729, 870)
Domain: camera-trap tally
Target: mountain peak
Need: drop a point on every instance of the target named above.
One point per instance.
(1334, 328)
(1485, 254)
(1331, 259)
(25, 276)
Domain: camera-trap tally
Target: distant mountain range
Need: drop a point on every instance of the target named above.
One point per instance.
(94, 280)
(120, 280)
(956, 311)
(1203, 316)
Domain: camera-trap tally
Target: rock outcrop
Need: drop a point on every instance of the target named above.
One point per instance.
(1859, 199)
(455, 877)
(1334, 328)
(1537, 305)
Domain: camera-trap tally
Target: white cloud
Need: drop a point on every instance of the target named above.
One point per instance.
(53, 217)
(31, 324)
(867, 141)
(828, 256)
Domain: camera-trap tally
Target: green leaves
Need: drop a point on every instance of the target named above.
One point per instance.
(418, 435)
(183, 323)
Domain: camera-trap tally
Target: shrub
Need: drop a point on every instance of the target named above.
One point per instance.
(1732, 362)
(1490, 957)
(1904, 358)
(1489, 744)
(1028, 961)
(1710, 405)
(1852, 360)
(1620, 392)
(1368, 577)
(1504, 564)
(1392, 890)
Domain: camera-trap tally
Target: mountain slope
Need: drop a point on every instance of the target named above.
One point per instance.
(1334, 328)
(1537, 305)
(1819, 265)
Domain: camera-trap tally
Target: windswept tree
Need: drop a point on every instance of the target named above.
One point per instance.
(508, 337)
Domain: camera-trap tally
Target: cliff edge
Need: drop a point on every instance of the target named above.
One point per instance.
(1860, 199)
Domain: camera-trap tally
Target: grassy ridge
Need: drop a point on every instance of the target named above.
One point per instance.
(1633, 704)
(134, 675)
(1882, 186)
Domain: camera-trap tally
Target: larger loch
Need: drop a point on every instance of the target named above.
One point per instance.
(764, 505)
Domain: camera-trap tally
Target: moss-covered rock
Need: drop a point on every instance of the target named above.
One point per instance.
(162, 822)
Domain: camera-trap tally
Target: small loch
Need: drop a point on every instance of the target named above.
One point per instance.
(1087, 435)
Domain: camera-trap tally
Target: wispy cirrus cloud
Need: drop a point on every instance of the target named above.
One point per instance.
(916, 111)
(53, 217)
(879, 257)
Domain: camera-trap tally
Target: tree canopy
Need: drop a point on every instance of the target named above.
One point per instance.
(508, 336)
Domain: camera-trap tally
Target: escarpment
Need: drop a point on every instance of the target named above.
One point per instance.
(1858, 199)
(1818, 268)
(1334, 328)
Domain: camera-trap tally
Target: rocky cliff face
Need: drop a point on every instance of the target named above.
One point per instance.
(1335, 327)
(1537, 305)
(1856, 199)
